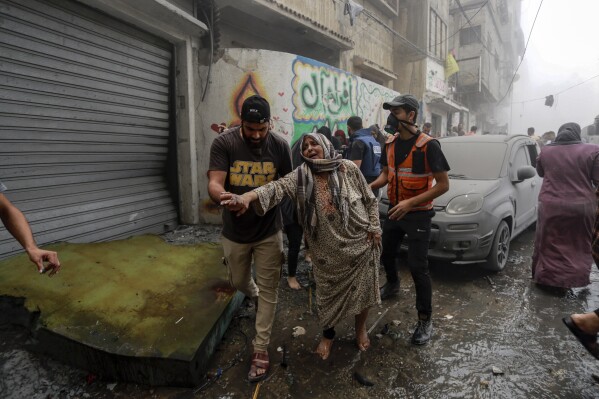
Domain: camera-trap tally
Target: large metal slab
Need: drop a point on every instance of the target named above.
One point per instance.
(138, 310)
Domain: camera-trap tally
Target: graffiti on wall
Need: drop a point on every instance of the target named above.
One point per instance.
(312, 94)
(370, 103)
(249, 85)
(322, 95)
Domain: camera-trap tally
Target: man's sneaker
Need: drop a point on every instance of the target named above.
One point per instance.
(390, 290)
(423, 332)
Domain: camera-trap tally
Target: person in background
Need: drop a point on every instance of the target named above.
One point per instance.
(340, 216)
(324, 130)
(547, 137)
(426, 128)
(460, 129)
(17, 225)
(242, 159)
(532, 135)
(378, 134)
(364, 150)
(472, 131)
(340, 134)
(567, 206)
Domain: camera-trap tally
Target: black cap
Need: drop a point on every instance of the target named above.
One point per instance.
(255, 109)
(403, 100)
(392, 124)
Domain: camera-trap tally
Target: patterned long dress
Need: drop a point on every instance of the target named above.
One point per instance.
(345, 263)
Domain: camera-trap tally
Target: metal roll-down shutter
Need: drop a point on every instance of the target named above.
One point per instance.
(84, 123)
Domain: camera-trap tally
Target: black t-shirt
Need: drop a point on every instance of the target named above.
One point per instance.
(434, 155)
(246, 170)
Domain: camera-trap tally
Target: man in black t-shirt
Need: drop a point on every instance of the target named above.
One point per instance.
(410, 162)
(242, 159)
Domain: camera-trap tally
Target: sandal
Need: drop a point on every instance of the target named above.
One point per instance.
(589, 341)
(259, 361)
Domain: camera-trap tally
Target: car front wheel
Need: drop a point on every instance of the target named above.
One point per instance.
(500, 250)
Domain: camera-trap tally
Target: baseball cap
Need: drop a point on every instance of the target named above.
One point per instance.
(255, 109)
(403, 100)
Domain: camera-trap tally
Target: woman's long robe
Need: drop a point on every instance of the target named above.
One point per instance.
(567, 206)
(345, 264)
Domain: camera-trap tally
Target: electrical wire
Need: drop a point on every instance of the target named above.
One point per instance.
(461, 27)
(523, 54)
(477, 36)
(559, 92)
(395, 33)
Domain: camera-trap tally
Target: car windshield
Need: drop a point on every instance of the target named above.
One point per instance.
(481, 161)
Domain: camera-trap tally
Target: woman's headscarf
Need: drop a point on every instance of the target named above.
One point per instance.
(568, 133)
(306, 202)
(296, 152)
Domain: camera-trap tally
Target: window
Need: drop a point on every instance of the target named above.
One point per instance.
(437, 35)
(470, 35)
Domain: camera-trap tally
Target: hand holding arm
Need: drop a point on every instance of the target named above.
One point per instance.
(238, 203)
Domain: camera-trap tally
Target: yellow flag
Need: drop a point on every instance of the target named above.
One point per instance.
(451, 66)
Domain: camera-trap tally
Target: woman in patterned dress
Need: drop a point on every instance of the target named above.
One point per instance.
(339, 215)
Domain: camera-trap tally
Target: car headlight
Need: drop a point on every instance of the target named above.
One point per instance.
(467, 203)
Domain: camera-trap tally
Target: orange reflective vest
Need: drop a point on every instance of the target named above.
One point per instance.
(402, 182)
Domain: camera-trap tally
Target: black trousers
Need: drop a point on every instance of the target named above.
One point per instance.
(295, 233)
(416, 229)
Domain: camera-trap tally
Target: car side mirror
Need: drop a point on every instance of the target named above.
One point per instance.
(525, 172)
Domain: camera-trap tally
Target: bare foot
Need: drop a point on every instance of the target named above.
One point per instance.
(362, 340)
(307, 258)
(324, 348)
(587, 322)
(293, 283)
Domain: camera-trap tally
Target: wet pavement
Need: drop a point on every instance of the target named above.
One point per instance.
(496, 336)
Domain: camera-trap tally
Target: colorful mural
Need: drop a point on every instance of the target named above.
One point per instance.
(304, 94)
(322, 95)
(311, 94)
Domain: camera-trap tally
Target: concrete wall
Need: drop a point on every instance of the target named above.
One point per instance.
(304, 94)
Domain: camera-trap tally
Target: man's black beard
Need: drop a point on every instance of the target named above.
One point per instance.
(255, 147)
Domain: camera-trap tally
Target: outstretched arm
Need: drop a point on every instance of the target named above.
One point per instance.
(265, 197)
(17, 225)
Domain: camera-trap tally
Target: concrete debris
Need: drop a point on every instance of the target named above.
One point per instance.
(298, 330)
(497, 371)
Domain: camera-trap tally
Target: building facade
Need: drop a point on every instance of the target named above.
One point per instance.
(108, 101)
(488, 44)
